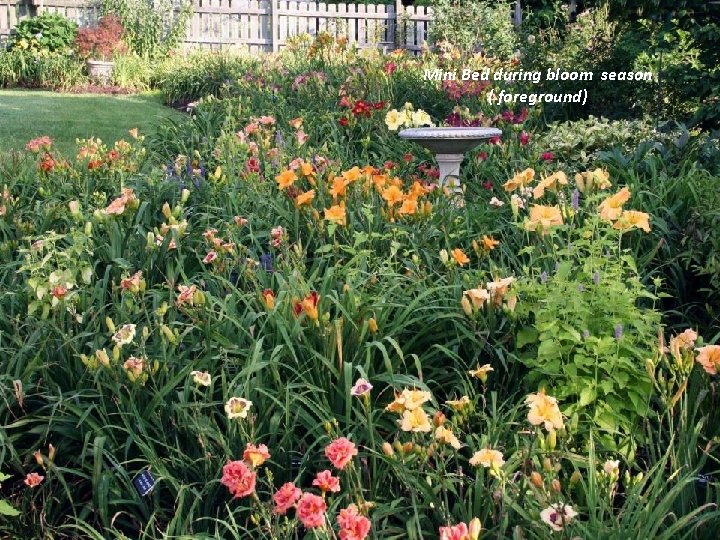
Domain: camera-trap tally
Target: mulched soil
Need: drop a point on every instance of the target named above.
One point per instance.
(98, 89)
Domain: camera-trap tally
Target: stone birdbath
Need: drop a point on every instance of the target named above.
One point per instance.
(449, 145)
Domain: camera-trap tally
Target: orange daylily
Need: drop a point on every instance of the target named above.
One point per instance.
(336, 214)
(304, 198)
(286, 179)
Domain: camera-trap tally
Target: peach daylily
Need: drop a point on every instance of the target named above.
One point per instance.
(611, 208)
(415, 420)
(709, 358)
(550, 182)
(630, 219)
(544, 410)
(520, 180)
(488, 458)
(256, 455)
(543, 217)
(445, 436)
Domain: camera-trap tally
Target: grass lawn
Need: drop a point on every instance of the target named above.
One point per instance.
(25, 114)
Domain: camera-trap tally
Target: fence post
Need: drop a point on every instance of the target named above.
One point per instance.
(517, 19)
(399, 34)
(275, 22)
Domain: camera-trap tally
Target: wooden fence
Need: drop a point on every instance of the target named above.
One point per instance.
(260, 25)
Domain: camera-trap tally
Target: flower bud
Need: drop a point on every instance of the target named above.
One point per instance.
(116, 353)
(408, 447)
(444, 256)
(88, 229)
(548, 465)
(38, 457)
(575, 478)
(438, 419)
(466, 306)
(102, 357)
(110, 325)
(474, 528)
(185, 195)
(536, 479)
(166, 211)
(388, 449)
(51, 452)
(372, 325)
(557, 487)
(398, 446)
(552, 440)
(74, 208)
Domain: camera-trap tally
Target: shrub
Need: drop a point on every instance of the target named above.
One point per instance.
(46, 33)
(471, 26)
(152, 28)
(102, 41)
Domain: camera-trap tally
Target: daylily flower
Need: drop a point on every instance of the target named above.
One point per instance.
(709, 358)
(445, 436)
(393, 195)
(489, 243)
(201, 378)
(125, 335)
(336, 214)
(305, 198)
(544, 410)
(286, 179)
(238, 478)
(33, 480)
(325, 481)
(488, 458)
(558, 515)
(285, 498)
(237, 407)
(543, 217)
(340, 452)
(415, 420)
(459, 256)
(361, 388)
(520, 180)
(588, 180)
(633, 219)
(255, 455)
(481, 372)
(611, 208)
(550, 182)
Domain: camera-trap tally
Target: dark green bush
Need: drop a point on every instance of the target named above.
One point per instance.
(46, 33)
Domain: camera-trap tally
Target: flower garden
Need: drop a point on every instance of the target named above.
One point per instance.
(269, 319)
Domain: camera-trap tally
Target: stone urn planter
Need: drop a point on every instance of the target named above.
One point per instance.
(100, 71)
(449, 145)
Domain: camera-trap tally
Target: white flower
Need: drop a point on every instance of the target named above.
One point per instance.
(558, 515)
(125, 335)
(201, 378)
(237, 407)
(497, 203)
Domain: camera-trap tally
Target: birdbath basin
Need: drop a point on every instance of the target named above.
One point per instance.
(449, 145)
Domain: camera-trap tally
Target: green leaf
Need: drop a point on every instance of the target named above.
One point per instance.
(526, 336)
(587, 396)
(7, 510)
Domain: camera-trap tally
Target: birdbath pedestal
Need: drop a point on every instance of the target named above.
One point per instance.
(449, 145)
